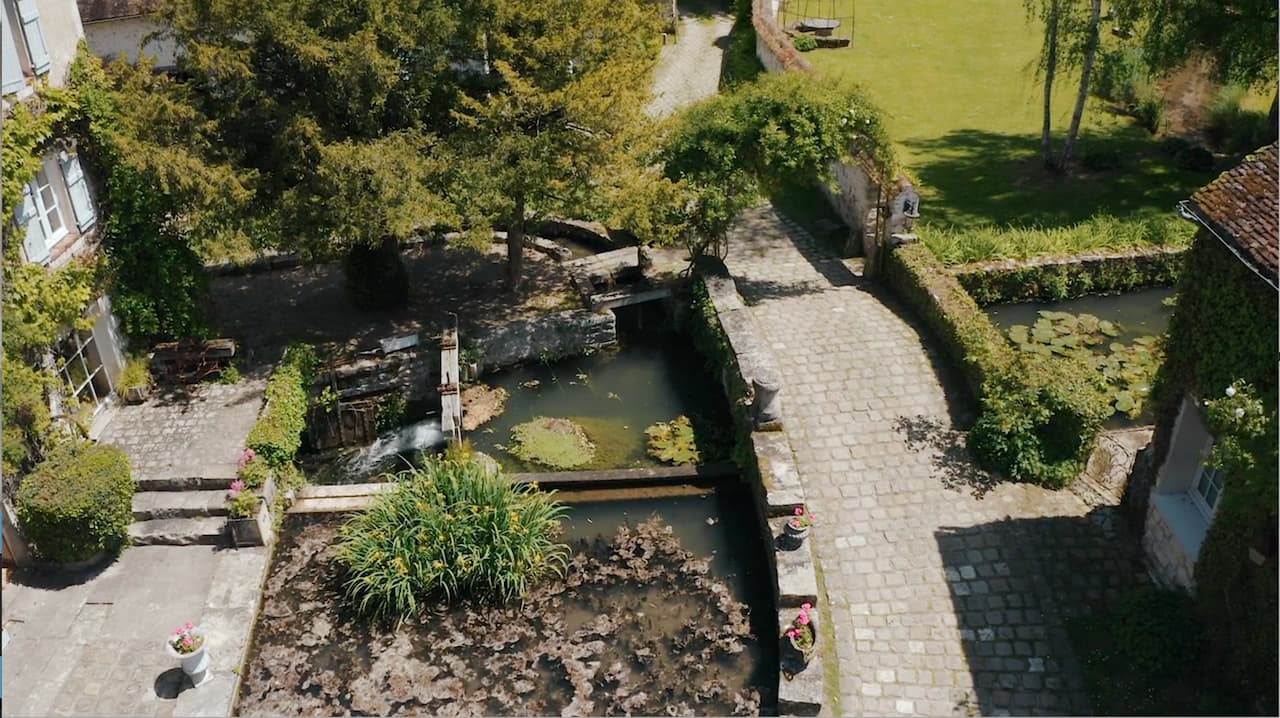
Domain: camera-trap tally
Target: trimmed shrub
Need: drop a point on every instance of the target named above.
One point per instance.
(77, 502)
(448, 530)
(277, 435)
(1039, 414)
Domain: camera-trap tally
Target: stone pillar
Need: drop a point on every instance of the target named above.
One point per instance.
(767, 405)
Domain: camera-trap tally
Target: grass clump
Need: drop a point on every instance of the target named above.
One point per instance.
(555, 443)
(1101, 233)
(448, 530)
(135, 375)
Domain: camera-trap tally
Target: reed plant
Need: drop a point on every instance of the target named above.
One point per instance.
(1101, 233)
(449, 530)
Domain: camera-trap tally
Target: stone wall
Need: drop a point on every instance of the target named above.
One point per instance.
(1165, 557)
(1046, 279)
(565, 333)
(777, 487)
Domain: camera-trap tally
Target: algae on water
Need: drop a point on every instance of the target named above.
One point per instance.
(555, 443)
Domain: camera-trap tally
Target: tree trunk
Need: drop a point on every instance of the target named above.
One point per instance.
(1273, 118)
(1090, 52)
(1050, 73)
(515, 247)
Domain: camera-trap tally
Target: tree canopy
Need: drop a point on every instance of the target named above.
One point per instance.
(1238, 35)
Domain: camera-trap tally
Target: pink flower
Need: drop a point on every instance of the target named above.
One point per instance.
(177, 631)
(186, 641)
(799, 511)
(236, 487)
(189, 626)
(793, 633)
(245, 458)
(803, 619)
(806, 606)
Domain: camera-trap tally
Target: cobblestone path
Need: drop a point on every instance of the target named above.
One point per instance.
(689, 69)
(948, 593)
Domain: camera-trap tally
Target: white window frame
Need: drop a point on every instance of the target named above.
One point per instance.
(77, 344)
(42, 210)
(1216, 477)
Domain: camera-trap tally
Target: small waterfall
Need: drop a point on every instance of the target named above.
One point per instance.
(408, 440)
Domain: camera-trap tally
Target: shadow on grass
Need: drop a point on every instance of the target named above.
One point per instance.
(975, 177)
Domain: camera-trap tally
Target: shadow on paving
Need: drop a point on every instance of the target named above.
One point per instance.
(264, 312)
(1013, 585)
(952, 461)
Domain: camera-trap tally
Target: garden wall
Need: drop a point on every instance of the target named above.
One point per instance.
(727, 336)
(1051, 279)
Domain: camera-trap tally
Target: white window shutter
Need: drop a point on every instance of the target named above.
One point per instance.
(78, 188)
(39, 52)
(13, 80)
(35, 245)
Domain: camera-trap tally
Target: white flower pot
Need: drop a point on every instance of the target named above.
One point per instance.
(196, 663)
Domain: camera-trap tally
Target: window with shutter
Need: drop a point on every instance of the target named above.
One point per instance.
(12, 68)
(36, 48)
(78, 189)
(34, 244)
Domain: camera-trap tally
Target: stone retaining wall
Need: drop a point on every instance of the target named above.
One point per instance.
(1047, 279)
(777, 489)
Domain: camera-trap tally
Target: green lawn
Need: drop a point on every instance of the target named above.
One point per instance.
(958, 86)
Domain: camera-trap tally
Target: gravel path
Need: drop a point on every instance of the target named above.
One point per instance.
(689, 69)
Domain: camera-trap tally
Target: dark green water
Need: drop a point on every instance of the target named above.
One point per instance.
(653, 375)
(1140, 313)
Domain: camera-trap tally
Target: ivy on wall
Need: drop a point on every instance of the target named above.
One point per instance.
(1222, 347)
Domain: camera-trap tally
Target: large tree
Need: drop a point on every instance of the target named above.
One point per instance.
(558, 110)
(1071, 39)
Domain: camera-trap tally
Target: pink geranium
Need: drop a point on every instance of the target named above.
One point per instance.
(236, 487)
(245, 458)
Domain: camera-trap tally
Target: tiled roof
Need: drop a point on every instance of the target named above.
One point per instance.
(96, 10)
(1241, 206)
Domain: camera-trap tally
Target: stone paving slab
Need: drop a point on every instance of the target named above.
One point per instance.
(197, 431)
(947, 591)
(90, 643)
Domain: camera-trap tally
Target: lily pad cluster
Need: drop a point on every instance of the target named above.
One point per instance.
(558, 444)
(673, 442)
(1128, 368)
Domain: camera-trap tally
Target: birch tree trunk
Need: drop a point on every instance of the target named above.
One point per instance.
(1086, 70)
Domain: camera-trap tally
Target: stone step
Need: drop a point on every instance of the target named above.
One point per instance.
(178, 532)
(218, 479)
(148, 505)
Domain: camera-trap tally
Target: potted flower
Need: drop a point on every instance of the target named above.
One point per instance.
(798, 525)
(187, 644)
(243, 515)
(802, 636)
(134, 383)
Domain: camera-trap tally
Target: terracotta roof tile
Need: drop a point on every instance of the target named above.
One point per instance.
(96, 10)
(1242, 205)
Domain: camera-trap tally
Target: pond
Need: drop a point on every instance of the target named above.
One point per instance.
(662, 609)
(1140, 313)
(1119, 335)
(652, 375)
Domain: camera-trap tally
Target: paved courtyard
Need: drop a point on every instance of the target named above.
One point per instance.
(90, 642)
(948, 592)
(195, 431)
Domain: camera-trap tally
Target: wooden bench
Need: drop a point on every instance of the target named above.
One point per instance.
(192, 360)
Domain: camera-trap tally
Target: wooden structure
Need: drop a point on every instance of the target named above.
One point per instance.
(450, 378)
(192, 360)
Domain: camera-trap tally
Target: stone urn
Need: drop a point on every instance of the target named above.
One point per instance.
(799, 653)
(797, 528)
(195, 664)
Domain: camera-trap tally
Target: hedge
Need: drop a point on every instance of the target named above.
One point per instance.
(1059, 279)
(277, 435)
(1040, 415)
(77, 502)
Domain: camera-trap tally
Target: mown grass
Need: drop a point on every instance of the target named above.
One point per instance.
(962, 100)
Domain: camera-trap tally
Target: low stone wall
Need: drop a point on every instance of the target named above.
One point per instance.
(1050, 279)
(776, 483)
(564, 333)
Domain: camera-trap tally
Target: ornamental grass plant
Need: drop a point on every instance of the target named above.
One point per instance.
(449, 530)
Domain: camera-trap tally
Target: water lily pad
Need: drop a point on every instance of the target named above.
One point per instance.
(673, 442)
(1109, 328)
(555, 443)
